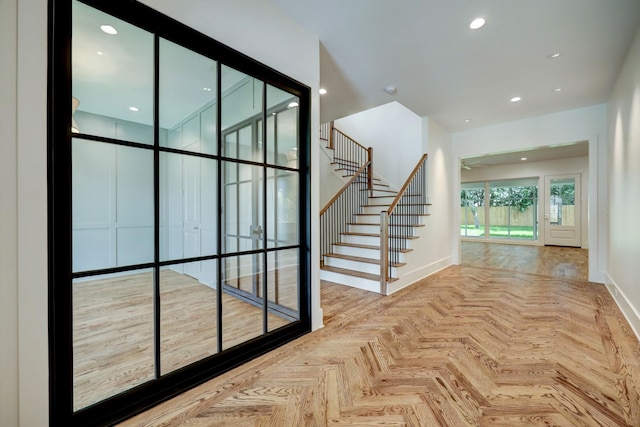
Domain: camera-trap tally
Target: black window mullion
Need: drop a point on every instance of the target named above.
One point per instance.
(265, 225)
(221, 207)
(156, 206)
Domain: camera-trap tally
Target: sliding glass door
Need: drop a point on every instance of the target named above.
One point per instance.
(178, 211)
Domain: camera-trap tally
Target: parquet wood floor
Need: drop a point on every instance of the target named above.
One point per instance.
(467, 346)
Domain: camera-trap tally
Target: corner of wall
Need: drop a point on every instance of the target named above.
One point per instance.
(625, 306)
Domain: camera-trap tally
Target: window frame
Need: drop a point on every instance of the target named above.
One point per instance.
(60, 275)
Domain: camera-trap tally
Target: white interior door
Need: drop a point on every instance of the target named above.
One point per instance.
(562, 210)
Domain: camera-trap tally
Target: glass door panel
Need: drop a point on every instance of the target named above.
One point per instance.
(563, 210)
(188, 317)
(242, 318)
(113, 335)
(472, 222)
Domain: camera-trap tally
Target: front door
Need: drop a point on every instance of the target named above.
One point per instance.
(562, 210)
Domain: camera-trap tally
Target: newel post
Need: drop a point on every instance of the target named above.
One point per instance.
(370, 172)
(384, 251)
(330, 141)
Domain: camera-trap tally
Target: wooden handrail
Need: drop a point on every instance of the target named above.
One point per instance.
(347, 136)
(344, 188)
(406, 184)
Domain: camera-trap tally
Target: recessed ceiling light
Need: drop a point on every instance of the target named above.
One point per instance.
(206, 89)
(523, 158)
(467, 120)
(558, 89)
(516, 99)
(292, 104)
(553, 55)
(100, 53)
(134, 109)
(108, 29)
(322, 91)
(477, 23)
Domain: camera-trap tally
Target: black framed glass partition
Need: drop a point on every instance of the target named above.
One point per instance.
(178, 209)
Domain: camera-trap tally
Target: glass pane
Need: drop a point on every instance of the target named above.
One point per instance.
(187, 335)
(113, 335)
(282, 208)
(188, 206)
(187, 99)
(282, 287)
(112, 190)
(241, 107)
(109, 102)
(282, 128)
(562, 202)
(243, 208)
(472, 210)
(241, 321)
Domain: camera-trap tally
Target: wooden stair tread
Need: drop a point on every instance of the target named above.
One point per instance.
(363, 259)
(360, 274)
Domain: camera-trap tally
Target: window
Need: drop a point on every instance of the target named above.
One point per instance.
(505, 209)
(178, 210)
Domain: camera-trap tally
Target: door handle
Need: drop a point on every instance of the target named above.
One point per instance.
(195, 227)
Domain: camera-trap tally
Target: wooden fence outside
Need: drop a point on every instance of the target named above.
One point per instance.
(499, 215)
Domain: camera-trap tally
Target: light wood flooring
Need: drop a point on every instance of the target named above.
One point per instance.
(468, 346)
(113, 347)
(571, 263)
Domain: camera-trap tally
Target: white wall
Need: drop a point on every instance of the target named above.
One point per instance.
(253, 27)
(540, 169)
(583, 124)
(8, 218)
(394, 132)
(624, 195)
(439, 148)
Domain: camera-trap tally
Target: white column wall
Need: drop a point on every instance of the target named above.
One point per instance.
(8, 216)
(253, 27)
(32, 213)
(583, 124)
(439, 224)
(624, 195)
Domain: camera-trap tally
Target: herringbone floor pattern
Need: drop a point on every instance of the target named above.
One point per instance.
(468, 346)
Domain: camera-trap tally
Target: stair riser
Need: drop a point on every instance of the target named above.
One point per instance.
(366, 240)
(356, 282)
(374, 209)
(363, 267)
(383, 200)
(370, 219)
(360, 252)
(361, 228)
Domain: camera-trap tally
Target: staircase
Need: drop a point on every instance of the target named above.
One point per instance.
(356, 253)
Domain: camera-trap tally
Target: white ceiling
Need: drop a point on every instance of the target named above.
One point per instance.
(446, 71)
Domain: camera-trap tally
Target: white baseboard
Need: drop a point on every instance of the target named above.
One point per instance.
(628, 311)
(418, 274)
